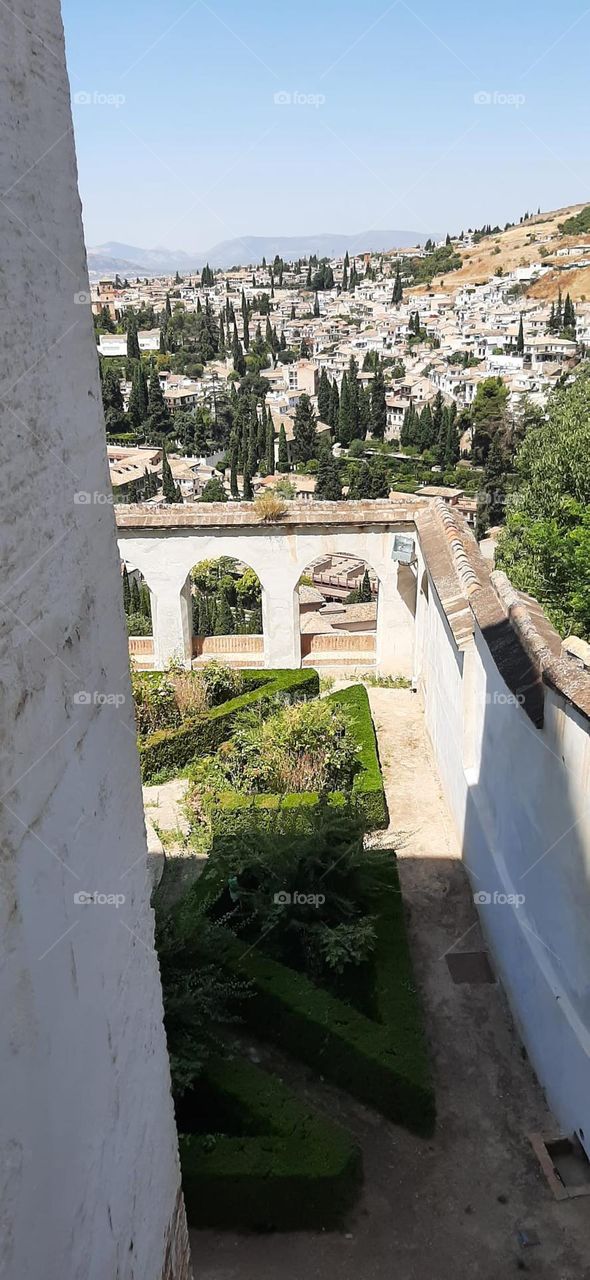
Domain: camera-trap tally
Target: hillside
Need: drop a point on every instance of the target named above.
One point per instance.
(538, 238)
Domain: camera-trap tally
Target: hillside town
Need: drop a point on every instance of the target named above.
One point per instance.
(351, 358)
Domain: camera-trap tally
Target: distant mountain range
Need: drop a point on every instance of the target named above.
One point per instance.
(128, 259)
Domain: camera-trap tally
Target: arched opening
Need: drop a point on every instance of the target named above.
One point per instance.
(226, 613)
(338, 608)
(138, 607)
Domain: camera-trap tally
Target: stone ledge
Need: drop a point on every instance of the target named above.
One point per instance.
(222, 515)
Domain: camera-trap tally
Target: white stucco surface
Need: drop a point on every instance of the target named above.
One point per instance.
(88, 1172)
(519, 796)
(279, 557)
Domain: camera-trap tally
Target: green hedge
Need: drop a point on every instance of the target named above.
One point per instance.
(288, 1169)
(232, 812)
(381, 1062)
(169, 750)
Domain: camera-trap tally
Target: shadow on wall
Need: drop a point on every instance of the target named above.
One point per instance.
(515, 763)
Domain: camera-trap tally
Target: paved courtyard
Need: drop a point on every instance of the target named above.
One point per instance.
(448, 1208)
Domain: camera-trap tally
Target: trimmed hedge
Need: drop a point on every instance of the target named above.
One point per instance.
(383, 1063)
(232, 812)
(289, 1169)
(169, 750)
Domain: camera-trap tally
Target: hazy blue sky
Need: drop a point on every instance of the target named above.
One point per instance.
(199, 150)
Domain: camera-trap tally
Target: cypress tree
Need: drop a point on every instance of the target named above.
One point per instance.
(126, 590)
(283, 462)
(344, 415)
(138, 398)
(233, 482)
(248, 490)
(328, 487)
(170, 490)
(224, 618)
(304, 431)
(316, 306)
(334, 410)
(378, 405)
(324, 397)
(270, 444)
(158, 411)
(366, 595)
(135, 598)
(133, 352)
(520, 338)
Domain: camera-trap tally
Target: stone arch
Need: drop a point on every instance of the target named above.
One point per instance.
(334, 630)
(222, 582)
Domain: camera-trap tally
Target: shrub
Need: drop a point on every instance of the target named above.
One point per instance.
(269, 507)
(170, 749)
(299, 893)
(382, 1061)
(138, 624)
(287, 1167)
(220, 682)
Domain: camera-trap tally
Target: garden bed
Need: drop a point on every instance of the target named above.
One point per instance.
(260, 1159)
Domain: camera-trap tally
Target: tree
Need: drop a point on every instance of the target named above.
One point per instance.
(224, 618)
(213, 491)
(360, 484)
(138, 398)
(170, 490)
(316, 306)
(233, 473)
(324, 397)
(248, 493)
(283, 461)
(133, 351)
(398, 291)
(334, 409)
(491, 499)
(328, 485)
(379, 477)
(378, 406)
(520, 338)
(304, 431)
(135, 598)
(488, 413)
(269, 457)
(126, 590)
(158, 412)
(366, 594)
(545, 548)
(345, 413)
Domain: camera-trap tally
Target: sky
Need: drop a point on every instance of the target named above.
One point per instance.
(197, 122)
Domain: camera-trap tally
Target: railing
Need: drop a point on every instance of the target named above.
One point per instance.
(212, 646)
(337, 644)
(141, 644)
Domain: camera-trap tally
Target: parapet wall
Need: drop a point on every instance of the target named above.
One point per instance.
(508, 712)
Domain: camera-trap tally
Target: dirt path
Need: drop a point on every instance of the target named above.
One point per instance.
(449, 1208)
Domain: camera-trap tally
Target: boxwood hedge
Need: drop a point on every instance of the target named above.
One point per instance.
(281, 1166)
(383, 1061)
(169, 750)
(233, 812)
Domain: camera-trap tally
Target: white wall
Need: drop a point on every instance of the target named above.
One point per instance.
(279, 557)
(519, 798)
(88, 1173)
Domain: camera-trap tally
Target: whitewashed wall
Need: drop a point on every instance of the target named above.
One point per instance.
(88, 1170)
(520, 800)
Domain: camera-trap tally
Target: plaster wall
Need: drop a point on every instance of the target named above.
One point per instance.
(89, 1175)
(519, 798)
(279, 557)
